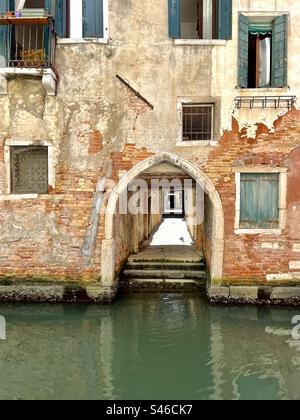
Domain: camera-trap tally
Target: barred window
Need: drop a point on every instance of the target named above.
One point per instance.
(29, 170)
(197, 122)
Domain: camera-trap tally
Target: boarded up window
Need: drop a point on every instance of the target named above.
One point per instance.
(29, 170)
(197, 122)
(259, 201)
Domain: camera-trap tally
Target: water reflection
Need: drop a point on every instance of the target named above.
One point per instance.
(149, 347)
(259, 356)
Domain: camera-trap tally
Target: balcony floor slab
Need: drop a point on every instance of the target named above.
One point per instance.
(48, 76)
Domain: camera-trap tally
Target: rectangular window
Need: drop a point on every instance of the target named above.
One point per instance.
(200, 19)
(259, 201)
(197, 122)
(263, 52)
(29, 170)
(80, 19)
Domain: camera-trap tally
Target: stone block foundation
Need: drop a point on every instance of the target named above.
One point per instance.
(254, 295)
(58, 293)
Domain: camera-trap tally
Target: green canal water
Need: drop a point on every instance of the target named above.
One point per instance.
(172, 346)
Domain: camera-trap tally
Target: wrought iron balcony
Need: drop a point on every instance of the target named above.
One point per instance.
(27, 42)
(27, 48)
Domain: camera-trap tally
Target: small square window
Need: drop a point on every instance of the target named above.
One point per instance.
(197, 122)
(29, 170)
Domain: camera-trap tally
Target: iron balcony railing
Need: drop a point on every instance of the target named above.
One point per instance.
(263, 102)
(27, 43)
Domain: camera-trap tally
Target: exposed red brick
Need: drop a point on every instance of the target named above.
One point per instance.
(96, 140)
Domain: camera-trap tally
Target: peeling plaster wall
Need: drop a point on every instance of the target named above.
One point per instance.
(99, 128)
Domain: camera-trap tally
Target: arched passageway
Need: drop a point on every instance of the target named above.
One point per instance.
(214, 252)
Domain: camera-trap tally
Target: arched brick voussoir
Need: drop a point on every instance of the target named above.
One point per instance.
(108, 275)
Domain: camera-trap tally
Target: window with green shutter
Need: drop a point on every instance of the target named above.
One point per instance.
(92, 15)
(200, 19)
(4, 36)
(79, 19)
(279, 51)
(259, 201)
(61, 18)
(263, 52)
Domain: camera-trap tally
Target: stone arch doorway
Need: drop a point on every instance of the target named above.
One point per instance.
(108, 261)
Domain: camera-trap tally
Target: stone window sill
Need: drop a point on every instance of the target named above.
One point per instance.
(16, 197)
(258, 231)
(68, 41)
(201, 42)
(199, 143)
(263, 91)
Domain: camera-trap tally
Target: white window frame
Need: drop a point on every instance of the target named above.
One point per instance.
(7, 162)
(76, 25)
(282, 199)
(181, 102)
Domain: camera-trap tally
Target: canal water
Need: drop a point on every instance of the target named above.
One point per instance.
(172, 346)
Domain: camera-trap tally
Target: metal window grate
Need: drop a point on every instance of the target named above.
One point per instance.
(197, 122)
(29, 170)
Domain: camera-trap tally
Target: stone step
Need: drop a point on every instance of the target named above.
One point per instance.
(167, 259)
(164, 281)
(158, 265)
(164, 274)
(163, 285)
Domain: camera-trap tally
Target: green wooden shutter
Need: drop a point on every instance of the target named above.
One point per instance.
(243, 51)
(92, 12)
(4, 31)
(48, 7)
(279, 51)
(268, 201)
(61, 18)
(3, 5)
(174, 18)
(249, 201)
(47, 40)
(224, 24)
(259, 205)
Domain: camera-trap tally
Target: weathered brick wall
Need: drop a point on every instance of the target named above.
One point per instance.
(245, 259)
(60, 221)
(249, 258)
(98, 127)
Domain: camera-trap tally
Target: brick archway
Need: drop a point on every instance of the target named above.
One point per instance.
(108, 244)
